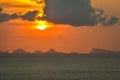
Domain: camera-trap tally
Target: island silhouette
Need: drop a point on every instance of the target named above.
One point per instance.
(51, 51)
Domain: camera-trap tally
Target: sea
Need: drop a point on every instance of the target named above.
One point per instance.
(60, 67)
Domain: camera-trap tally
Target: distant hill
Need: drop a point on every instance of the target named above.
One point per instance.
(103, 51)
(54, 52)
(20, 52)
(4, 52)
(51, 51)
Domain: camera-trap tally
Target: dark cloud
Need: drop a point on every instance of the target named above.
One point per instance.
(113, 20)
(106, 22)
(73, 12)
(30, 15)
(6, 17)
(76, 13)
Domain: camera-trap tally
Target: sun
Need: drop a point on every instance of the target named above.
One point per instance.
(42, 27)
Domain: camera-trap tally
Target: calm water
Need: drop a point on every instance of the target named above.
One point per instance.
(83, 67)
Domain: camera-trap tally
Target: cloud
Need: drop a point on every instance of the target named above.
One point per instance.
(73, 12)
(113, 20)
(76, 13)
(6, 17)
(38, 1)
(30, 15)
(22, 5)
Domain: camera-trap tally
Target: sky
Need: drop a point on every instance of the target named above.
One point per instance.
(70, 25)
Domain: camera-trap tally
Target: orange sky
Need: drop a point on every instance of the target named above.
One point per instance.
(20, 34)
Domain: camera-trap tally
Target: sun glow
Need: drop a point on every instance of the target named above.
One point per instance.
(40, 22)
(42, 27)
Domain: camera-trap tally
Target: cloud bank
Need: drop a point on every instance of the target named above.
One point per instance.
(73, 12)
(6, 17)
(76, 13)
(30, 16)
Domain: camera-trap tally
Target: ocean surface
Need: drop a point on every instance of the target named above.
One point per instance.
(74, 67)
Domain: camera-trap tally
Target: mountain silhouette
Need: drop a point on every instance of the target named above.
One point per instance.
(54, 52)
(103, 51)
(20, 51)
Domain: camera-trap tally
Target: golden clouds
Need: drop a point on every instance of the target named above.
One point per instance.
(18, 6)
